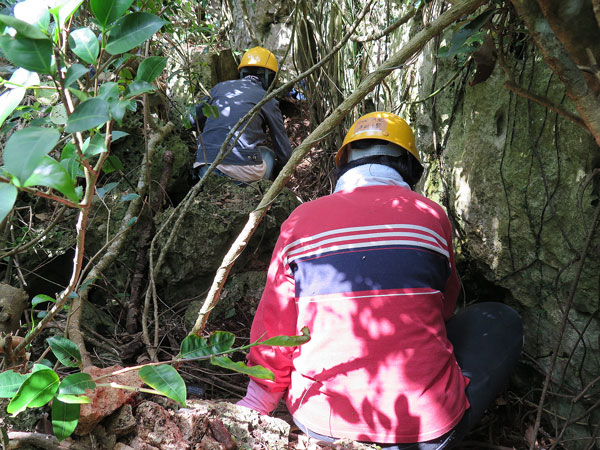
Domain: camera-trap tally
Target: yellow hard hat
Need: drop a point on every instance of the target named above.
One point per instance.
(259, 57)
(379, 125)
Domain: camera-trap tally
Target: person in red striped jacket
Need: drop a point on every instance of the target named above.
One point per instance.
(370, 270)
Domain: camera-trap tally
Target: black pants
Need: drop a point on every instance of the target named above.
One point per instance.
(487, 340)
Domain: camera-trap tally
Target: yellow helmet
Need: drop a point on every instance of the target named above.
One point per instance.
(379, 125)
(259, 57)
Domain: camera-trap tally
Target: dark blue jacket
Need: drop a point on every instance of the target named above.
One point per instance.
(234, 99)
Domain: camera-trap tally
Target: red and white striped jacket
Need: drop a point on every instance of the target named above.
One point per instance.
(371, 273)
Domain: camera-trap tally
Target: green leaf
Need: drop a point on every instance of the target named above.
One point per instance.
(89, 114)
(459, 39)
(65, 350)
(37, 390)
(26, 149)
(42, 298)
(50, 173)
(116, 135)
(9, 101)
(31, 54)
(131, 30)
(94, 146)
(70, 161)
(137, 88)
(103, 190)
(74, 399)
(82, 96)
(111, 164)
(118, 108)
(109, 91)
(64, 419)
(288, 341)
(24, 29)
(8, 197)
(74, 73)
(129, 197)
(24, 78)
(58, 115)
(34, 12)
(65, 10)
(76, 384)
(10, 382)
(150, 68)
(107, 11)
(254, 371)
(165, 380)
(84, 43)
(195, 346)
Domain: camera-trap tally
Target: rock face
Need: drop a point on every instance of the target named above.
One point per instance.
(211, 225)
(515, 179)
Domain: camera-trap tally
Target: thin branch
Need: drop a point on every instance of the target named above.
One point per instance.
(401, 21)
(396, 60)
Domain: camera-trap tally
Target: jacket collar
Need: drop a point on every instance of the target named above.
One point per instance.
(370, 175)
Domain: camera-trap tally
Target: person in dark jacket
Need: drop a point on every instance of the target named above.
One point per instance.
(248, 160)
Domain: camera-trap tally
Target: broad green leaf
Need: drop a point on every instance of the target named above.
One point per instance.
(65, 10)
(76, 384)
(109, 91)
(288, 341)
(111, 164)
(24, 78)
(74, 73)
(84, 44)
(131, 30)
(165, 380)
(42, 298)
(129, 197)
(31, 54)
(254, 371)
(65, 350)
(37, 390)
(74, 399)
(10, 382)
(137, 88)
(103, 190)
(89, 114)
(26, 149)
(23, 28)
(107, 11)
(70, 161)
(9, 101)
(459, 39)
(118, 108)
(116, 135)
(94, 146)
(8, 197)
(194, 346)
(51, 174)
(58, 115)
(34, 12)
(81, 96)
(64, 418)
(150, 68)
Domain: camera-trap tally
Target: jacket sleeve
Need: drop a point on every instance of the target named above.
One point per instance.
(452, 283)
(283, 148)
(276, 315)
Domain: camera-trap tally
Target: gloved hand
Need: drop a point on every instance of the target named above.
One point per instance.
(259, 399)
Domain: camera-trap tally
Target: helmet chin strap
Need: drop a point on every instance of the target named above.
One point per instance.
(374, 150)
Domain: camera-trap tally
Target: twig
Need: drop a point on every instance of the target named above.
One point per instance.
(397, 59)
(546, 103)
(401, 21)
